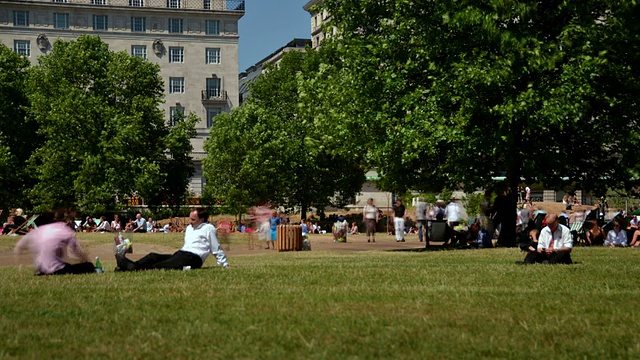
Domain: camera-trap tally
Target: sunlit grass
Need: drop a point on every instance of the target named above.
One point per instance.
(450, 304)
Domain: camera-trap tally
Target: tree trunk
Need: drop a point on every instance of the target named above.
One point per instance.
(303, 211)
(508, 236)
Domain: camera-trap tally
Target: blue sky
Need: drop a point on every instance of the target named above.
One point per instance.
(267, 25)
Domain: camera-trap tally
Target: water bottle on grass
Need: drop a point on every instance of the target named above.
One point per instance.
(99, 269)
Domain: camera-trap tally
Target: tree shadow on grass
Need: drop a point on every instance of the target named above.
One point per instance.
(430, 248)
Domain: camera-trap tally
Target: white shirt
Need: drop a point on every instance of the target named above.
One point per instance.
(370, 212)
(561, 238)
(105, 226)
(202, 241)
(452, 212)
(619, 239)
(341, 225)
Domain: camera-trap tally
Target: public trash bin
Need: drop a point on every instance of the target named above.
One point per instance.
(289, 238)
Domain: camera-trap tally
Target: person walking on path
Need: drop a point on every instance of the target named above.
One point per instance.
(370, 218)
(421, 218)
(398, 221)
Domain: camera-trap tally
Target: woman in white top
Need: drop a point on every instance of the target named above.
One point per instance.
(370, 218)
(115, 224)
(617, 236)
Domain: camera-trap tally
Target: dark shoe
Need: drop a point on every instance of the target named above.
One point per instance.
(402, 240)
(124, 264)
(545, 262)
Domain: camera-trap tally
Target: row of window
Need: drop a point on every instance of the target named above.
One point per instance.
(214, 86)
(101, 23)
(171, 4)
(211, 114)
(176, 54)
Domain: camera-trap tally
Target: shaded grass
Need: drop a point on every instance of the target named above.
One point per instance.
(452, 304)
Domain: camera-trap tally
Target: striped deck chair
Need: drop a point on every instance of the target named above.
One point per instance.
(578, 233)
(24, 228)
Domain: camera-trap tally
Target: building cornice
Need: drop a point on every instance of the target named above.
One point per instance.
(307, 7)
(128, 9)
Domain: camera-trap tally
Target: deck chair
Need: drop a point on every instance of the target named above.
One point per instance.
(224, 229)
(438, 231)
(177, 224)
(578, 233)
(24, 228)
(538, 220)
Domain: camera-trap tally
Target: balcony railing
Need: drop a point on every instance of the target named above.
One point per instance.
(215, 95)
(216, 5)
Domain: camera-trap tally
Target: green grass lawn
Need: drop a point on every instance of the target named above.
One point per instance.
(442, 304)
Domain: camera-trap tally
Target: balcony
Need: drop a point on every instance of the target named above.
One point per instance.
(214, 96)
(214, 5)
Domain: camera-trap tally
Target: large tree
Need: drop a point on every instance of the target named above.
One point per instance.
(268, 151)
(17, 136)
(104, 136)
(464, 91)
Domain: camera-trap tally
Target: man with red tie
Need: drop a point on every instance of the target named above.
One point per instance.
(554, 244)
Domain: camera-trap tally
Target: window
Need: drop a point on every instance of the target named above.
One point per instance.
(207, 4)
(173, 113)
(22, 47)
(176, 85)
(211, 114)
(136, 3)
(213, 88)
(20, 18)
(99, 2)
(212, 27)
(175, 26)
(212, 56)
(60, 1)
(139, 51)
(138, 24)
(174, 4)
(176, 54)
(100, 22)
(60, 21)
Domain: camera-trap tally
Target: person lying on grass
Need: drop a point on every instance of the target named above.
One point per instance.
(200, 240)
(50, 242)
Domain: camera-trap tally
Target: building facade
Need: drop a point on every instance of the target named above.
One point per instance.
(318, 19)
(245, 78)
(195, 42)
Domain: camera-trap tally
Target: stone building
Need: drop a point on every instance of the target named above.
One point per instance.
(195, 42)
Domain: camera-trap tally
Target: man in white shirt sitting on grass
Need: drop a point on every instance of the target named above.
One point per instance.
(200, 240)
(554, 244)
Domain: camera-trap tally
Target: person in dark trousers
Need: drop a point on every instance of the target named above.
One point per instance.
(50, 242)
(200, 240)
(398, 220)
(554, 244)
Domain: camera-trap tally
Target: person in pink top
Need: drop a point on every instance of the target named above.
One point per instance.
(50, 243)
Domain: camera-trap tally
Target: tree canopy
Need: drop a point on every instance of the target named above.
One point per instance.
(455, 93)
(104, 137)
(267, 150)
(463, 91)
(17, 137)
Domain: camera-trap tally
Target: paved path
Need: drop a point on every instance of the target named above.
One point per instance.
(318, 243)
